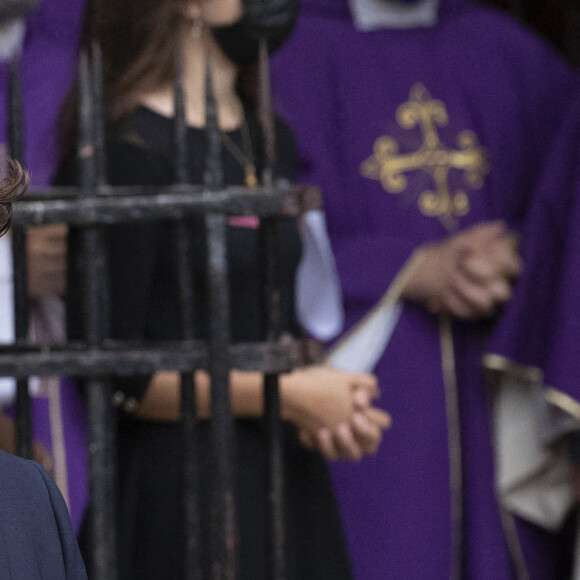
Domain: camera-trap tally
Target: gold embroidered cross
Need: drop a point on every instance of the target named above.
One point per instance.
(432, 157)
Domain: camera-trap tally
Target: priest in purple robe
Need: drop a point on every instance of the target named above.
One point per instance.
(425, 124)
(533, 357)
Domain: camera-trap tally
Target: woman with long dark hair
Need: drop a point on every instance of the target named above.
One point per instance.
(139, 39)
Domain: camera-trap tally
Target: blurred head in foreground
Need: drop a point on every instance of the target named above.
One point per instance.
(13, 186)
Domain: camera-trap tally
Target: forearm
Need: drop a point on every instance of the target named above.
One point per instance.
(311, 398)
(162, 400)
(320, 401)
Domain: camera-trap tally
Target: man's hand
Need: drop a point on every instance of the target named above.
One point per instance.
(469, 274)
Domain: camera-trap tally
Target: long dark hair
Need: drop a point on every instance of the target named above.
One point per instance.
(138, 41)
(12, 187)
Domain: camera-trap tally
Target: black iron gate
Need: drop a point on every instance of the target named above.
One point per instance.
(95, 204)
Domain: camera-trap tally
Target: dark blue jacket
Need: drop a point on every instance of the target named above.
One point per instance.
(37, 540)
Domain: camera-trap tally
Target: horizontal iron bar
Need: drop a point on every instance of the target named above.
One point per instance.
(124, 360)
(142, 203)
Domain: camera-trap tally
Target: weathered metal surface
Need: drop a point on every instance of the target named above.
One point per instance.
(122, 359)
(130, 204)
(272, 330)
(101, 424)
(222, 509)
(22, 409)
(95, 204)
(189, 421)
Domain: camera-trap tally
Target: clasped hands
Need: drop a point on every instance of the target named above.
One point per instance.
(469, 274)
(333, 412)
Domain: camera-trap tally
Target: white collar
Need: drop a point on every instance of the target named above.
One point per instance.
(377, 14)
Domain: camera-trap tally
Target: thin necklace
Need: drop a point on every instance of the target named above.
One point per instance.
(244, 158)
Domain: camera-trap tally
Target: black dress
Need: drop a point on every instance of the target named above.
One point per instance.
(144, 305)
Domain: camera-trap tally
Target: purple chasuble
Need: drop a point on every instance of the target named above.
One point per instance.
(48, 66)
(414, 134)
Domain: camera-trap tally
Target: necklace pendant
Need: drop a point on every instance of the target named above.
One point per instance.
(251, 179)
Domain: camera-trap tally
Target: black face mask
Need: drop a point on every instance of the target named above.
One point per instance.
(273, 20)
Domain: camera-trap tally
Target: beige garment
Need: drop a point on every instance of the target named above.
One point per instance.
(534, 474)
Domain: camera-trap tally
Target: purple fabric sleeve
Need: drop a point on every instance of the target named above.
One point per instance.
(539, 325)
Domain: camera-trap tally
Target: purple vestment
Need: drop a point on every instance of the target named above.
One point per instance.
(540, 326)
(48, 67)
(413, 134)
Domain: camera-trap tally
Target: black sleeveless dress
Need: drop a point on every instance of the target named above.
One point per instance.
(144, 305)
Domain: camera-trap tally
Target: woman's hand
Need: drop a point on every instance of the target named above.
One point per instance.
(361, 437)
(319, 396)
(332, 411)
(469, 274)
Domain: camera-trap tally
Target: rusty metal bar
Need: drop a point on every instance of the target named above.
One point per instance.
(124, 204)
(22, 410)
(100, 421)
(95, 204)
(100, 177)
(272, 325)
(273, 426)
(123, 359)
(214, 173)
(189, 423)
(266, 115)
(180, 124)
(276, 563)
(223, 511)
(222, 525)
(98, 115)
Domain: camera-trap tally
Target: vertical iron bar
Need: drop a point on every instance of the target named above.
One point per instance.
(214, 174)
(223, 513)
(100, 419)
(272, 324)
(266, 115)
(193, 568)
(273, 425)
(180, 123)
(22, 409)
(276, 534)
(100, 171)
(222, 509)
(98, 114)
